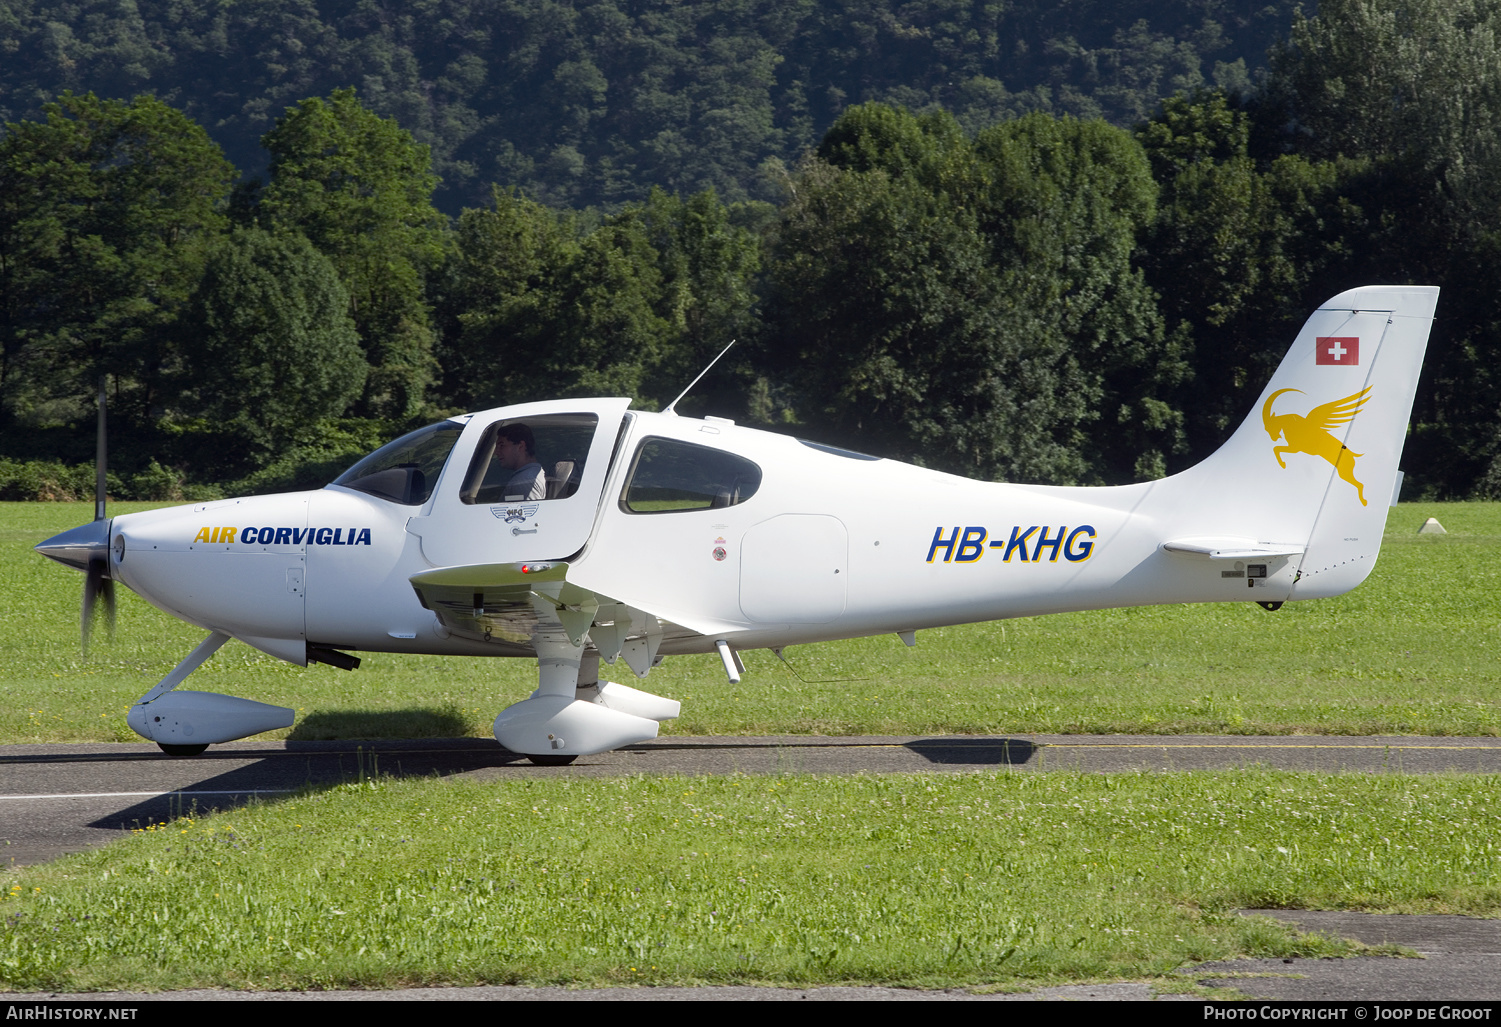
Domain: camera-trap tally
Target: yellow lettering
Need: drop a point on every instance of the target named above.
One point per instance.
(229, 535)
(202, 536)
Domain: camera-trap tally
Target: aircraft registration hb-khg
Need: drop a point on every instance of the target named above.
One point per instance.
(656, 534)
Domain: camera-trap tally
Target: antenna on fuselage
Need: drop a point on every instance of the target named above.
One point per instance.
(705, 371)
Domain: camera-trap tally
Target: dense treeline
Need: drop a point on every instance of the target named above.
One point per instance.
(584, 102)
(1021, 294)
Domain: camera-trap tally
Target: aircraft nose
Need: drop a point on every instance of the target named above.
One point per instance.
(77, 546)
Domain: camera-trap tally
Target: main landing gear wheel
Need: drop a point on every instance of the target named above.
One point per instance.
(181, 750)
(549, 760)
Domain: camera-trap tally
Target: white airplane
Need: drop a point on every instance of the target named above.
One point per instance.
(645, 535)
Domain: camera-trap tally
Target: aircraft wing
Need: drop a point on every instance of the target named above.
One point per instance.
(1231, 548)
(511, 602)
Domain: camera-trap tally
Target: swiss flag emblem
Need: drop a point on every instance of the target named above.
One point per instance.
(1341, 350)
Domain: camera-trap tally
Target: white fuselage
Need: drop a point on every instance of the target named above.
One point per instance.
(830, 546)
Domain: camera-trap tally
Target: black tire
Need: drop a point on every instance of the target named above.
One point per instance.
(181, 750)
(550, 760)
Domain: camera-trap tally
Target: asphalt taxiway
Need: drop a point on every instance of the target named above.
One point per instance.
(56, 799)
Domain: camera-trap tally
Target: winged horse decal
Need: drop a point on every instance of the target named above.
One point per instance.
(1311, 434)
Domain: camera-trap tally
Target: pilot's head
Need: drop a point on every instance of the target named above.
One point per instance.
(515, 446)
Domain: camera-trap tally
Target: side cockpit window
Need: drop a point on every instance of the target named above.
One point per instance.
(405, 471)
(668, 475)
(529, 458)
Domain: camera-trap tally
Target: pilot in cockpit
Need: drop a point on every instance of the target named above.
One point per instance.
(515, 450)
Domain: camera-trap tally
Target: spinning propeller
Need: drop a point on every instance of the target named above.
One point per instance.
(87, 547)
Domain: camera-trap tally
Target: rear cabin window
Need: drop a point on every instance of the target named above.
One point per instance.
(560, 446)
(668, 476)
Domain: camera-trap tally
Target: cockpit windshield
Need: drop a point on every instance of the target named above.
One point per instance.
(406, 470)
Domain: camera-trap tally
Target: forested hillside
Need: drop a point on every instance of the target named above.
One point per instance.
(582, 102)
(1062, 243)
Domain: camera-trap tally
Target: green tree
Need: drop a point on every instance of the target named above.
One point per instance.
(276, 353)
(360, 190)
(974, 306)
(888, 318)
(550, 314)
(496, 292)
(708, 266)
(600, 334)
(1065, 204)
(534, 308)
(1241, 251)
(106, 210)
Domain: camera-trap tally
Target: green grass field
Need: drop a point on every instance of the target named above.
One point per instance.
(1412, 651)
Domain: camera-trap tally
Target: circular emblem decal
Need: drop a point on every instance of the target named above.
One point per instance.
(719, 553)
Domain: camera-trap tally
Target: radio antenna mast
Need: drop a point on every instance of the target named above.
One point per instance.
(691, 384)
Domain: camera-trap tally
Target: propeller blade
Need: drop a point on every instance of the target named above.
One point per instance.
(97, 585)
(96, 582)
(107, 593)
(91, 582)
(99, 458)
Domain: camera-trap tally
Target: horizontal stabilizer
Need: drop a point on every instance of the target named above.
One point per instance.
(1231, 548)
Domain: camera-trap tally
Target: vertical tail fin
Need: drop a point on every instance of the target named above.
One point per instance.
(1314, 465)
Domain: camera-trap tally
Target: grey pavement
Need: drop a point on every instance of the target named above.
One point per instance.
(1459, 959)
(56, 799)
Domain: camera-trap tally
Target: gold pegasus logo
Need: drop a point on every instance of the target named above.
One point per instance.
(1311, 434)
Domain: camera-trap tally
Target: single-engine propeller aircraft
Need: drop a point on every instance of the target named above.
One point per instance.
(576, 531)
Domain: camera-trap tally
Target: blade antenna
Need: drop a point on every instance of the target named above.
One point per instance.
(700, 375)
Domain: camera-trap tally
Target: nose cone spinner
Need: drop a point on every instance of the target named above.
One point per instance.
(79, 546)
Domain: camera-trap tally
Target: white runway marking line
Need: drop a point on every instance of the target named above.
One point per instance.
(151, 795)
(1210, 745)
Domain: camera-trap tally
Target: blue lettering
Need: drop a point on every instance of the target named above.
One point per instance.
(283, 536)
(939, 542)
(364, 539)
(322, 536)
(250, 535)
(337, 533)
(1043, 542)
(972, 546)
(1018, 542)
(1085, 548)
